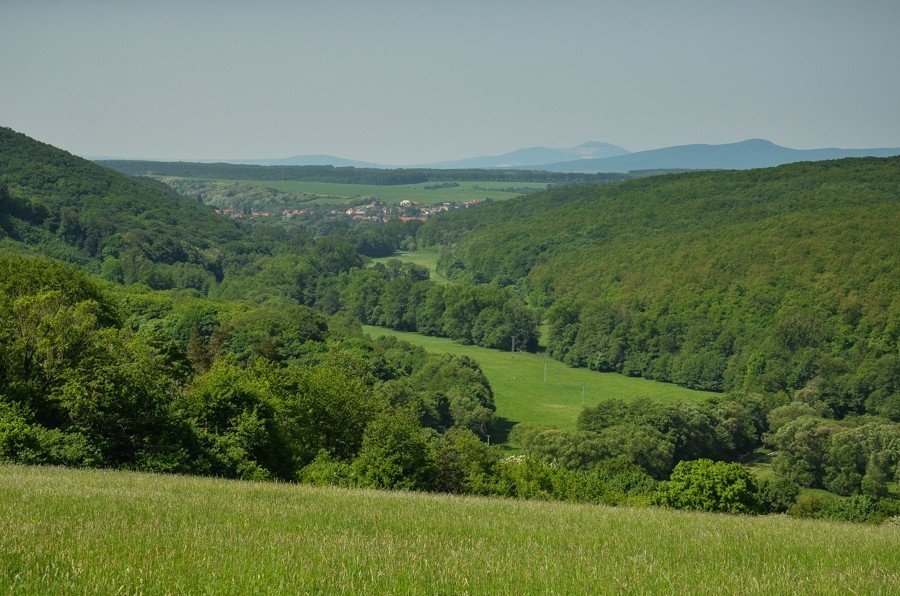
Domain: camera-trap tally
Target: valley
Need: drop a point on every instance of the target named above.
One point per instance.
(648, 361)
(450, 298)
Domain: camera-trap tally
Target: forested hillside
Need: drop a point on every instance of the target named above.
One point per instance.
(766, 280)
(59, 205)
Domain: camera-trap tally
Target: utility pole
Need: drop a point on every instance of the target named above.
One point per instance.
(513, 344)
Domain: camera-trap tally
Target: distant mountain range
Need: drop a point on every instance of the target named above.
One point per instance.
(308, 160)
(754, 153)
(520, 158)
(534, 157)
(596, 157)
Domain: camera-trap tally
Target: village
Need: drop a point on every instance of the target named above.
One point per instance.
(374, 210)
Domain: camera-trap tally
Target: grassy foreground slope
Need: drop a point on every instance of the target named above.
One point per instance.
(72, 531)
(522, 394)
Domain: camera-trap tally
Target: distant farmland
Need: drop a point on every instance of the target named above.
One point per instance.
(393, 194)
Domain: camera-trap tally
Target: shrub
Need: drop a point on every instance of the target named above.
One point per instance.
(705, 485)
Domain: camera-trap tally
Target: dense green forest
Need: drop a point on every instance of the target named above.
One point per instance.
(350, 175)
(141, 331)
(69, 208)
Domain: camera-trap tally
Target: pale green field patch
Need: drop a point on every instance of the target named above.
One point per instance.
(425, 258)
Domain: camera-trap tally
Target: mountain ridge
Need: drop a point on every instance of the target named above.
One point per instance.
(599, 157)
(306, 160)
(532, 156)
(743, 155)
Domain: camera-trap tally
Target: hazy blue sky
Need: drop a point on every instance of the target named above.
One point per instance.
(403, 82)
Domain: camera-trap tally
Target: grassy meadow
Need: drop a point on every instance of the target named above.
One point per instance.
(425, 258)
(521, 393)
(393, 194)
(65, 531)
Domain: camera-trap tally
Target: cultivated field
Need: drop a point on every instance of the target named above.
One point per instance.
(521, 393)
(75, 531)
(393, 194)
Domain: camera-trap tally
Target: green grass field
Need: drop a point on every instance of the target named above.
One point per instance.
(393, 194)
(522, 395)
(425, 258)
(87, 531)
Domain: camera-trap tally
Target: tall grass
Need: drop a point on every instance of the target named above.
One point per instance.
(65, 531)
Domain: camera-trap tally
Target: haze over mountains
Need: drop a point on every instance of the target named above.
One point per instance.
(308, 160)
(753, 153)
(596, 157)
(535, 156)
(520, 158)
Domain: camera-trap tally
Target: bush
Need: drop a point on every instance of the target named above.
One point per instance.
(396, 453)
(705, 485)
(327, 470)
(25, 443)
(778, 495)
(856, 509)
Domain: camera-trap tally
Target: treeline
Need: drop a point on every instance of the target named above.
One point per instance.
(695, 449)
(400, 296)
(166, 382)
(760, 281)
(329, 275)
(345, 175)
(242, 198)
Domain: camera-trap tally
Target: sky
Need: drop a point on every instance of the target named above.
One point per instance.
(404, 82)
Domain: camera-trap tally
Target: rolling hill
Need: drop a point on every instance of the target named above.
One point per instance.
(769, 280)
(60, 205)
(593, 157)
